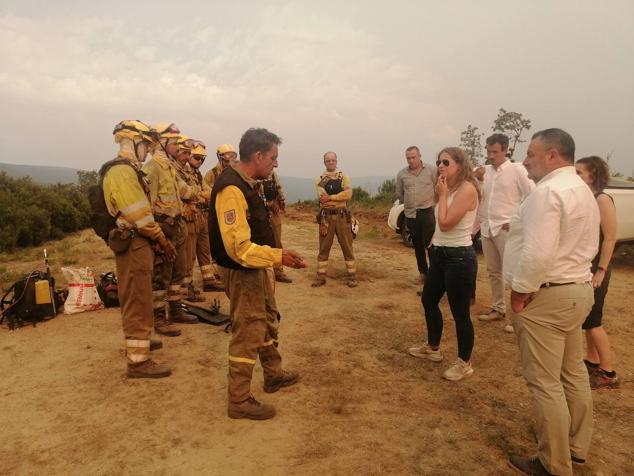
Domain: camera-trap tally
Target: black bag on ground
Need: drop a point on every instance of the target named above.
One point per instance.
(29, 300)
(210, 315)
(108, 289)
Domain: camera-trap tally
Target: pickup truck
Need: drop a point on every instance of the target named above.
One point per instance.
(621, 191)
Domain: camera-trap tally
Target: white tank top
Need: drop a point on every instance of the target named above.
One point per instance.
(460, 234)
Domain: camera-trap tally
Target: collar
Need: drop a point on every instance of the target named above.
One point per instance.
(162, 159)
(502, 166)
(251, 182)
(335, 173)
(565, 170)
(135, 163)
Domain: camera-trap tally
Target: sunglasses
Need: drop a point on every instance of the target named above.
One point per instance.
(445, 162)
(199, 158)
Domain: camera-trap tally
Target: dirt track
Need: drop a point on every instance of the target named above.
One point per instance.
(363, 405)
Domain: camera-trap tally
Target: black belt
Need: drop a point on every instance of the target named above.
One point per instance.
(333, 211)
(550, 285)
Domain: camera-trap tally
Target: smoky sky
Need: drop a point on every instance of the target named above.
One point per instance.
(365, 79)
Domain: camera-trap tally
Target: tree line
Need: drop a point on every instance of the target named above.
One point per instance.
(31, 213)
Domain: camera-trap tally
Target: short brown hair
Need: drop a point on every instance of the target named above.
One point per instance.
(498, 138)
(413, 147)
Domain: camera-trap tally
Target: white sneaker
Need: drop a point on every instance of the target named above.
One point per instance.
(459, 370)
(509, 328)
(425, 352)
(493, 315)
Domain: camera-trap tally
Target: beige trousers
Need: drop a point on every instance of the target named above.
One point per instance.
(253, 328)
(134, 274)
(337, 226)
(551, 351)
(493, 249)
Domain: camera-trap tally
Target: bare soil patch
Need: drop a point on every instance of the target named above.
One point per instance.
(363, 406)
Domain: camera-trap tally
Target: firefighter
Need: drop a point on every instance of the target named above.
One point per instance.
(227, 156)
(126, 196)
(166, 190)
(189, 197)
(243, 245)
(274, 195)
(201, 243)
(334, 190)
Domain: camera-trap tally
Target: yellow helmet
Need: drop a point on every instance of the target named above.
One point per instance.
(224, 148)
(132, 129)
(166, 130)
(199, 148)
(184, 143)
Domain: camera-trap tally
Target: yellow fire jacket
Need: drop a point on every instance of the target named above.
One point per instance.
(340, 199)
(123, 194)
(165, 185)
(212, 175)
(236, 235)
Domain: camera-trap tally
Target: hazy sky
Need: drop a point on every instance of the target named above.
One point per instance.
(363, 78)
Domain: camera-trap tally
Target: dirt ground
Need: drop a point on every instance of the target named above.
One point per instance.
(363, 405)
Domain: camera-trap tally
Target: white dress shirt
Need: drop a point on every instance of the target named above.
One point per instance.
(502, 192)
(555, 235)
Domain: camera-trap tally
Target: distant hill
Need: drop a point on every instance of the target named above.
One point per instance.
(295, 188)
(43, 174)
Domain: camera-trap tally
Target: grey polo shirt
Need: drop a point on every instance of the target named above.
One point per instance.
(416, 191)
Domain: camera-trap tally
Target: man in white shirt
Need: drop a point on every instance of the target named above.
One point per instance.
(504, 187)
(547, 259)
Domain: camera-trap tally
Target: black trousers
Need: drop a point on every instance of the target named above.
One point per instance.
(452, 271)
(422, 229)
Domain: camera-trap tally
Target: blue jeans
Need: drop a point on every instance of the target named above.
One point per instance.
(452, 270)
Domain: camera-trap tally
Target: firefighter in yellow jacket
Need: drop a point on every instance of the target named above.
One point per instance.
(334, 190)
(166, 190)
(189, 198)
(242, 244)
(275, 200)
(227, 156)
(125, 194)
(201, 249)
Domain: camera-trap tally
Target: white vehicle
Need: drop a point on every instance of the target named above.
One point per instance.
(622, 193)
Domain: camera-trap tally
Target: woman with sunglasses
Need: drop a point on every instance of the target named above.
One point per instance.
(453, 262)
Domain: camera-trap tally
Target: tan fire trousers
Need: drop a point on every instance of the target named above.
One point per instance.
(190, 253)
(276, 224)
(337, 226)
(168, 275)
(551, 351)
(253, 328)
(134, 275)
(203, 252)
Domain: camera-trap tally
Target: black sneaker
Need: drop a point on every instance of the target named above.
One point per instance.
(531, 466)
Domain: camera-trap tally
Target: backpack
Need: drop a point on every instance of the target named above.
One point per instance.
(30, 300)
(100, 219)
(108, 289)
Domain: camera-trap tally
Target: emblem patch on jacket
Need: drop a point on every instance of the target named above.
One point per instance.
(230, 217)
